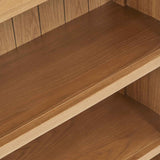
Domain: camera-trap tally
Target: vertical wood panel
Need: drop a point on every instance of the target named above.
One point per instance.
(93, 4)
(75, 8)
(121, 2)
(51, 15)
(147, 90)
(149, 7)
(26, 26)
(104, 1)
(7, 41)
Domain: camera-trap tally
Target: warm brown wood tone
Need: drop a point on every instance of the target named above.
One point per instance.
(75, 8)
(96, 3)
(121, 2)
(104, 1)
(26, 26)
(51, 15)
(147, 90)
(156, 158)
(7, 41)
(68, 70)
(149, 7)
(107, 131)
(11, 8)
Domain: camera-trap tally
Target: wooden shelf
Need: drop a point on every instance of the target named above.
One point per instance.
(11, 8)
(117, 128)
(54, 78)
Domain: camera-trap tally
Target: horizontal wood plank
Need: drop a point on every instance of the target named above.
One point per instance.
(107, 131)
(56, 77)
(11, 8)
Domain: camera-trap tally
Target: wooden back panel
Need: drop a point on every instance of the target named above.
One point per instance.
(41, 19)
(149, 7)
(147, 89)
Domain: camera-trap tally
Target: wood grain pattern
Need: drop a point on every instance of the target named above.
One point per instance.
(74, 61)
(96, 3)
(7, 41)
(104, 132)
(121, 2)
(26, 26)
(75, 8)
(11, 8)
(149, 7)
(147, 90)
(51, 15)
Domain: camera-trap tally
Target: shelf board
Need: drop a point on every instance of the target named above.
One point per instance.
(116, 128)
(11, 8)
(63, 73)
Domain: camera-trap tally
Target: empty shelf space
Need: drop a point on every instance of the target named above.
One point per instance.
(11, 8)
(116, 128)
(54, 78)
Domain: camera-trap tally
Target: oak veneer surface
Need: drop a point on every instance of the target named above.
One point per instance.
(121, 2)
(11, 8)
(75, 8)
(96, 3)
(51, 15)
(147, 90)
(149, 7)
(118, 128)
(26, 26)
(7, 41)
(70, 65)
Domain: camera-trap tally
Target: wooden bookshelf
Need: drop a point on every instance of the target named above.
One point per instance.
(117, 128)
(68, 70)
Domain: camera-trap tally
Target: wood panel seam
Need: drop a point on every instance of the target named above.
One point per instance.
(64, 11)
(14, 32)
(39, 18)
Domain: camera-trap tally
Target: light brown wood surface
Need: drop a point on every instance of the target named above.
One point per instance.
(104, 1)
(107, 131)
(26, 26)
(121, 2)
(11, 8)
(68, 70)
(96, 3)
(149, 7)
(51, 15)
(147, 90)
(7, 41)
(75, 8)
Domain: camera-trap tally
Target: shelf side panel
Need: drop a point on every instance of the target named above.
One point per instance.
(147, 89)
